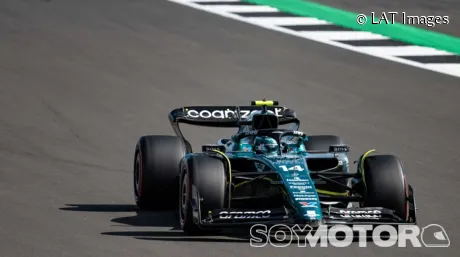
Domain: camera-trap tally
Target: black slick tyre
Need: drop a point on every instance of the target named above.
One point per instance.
(202, 187)
(156, 171)
(385, 184)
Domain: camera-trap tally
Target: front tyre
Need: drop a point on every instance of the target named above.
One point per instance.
(202, 188)
(385, 184)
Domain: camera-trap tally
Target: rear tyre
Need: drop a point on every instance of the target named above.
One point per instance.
(156, 171)
(202, 188)
(322, 142)
(385, 184)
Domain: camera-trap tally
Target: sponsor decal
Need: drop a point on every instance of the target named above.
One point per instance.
(224, 114)
(372, 214)
(292, 168)
(339, 148)
(306, 194)
(305, 199)
(301, 187)
(299, 183)
(297, 179)
(308, 204)
(210, 148)
(311, 214)
(244, 214)
(299, 133)
(289, 159)
(206, 114)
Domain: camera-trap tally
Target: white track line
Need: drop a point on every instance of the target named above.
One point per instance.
(403, 50)
(286, 21)
(238, 8)
(341, 35)
(214, 1)
(447, 68)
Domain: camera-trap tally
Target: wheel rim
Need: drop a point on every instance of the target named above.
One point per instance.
(183, 198)
(137, 176)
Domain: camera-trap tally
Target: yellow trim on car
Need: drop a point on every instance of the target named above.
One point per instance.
(247, 181)
(229, 164)
(361, 164)
(325, 192)
(262, 103)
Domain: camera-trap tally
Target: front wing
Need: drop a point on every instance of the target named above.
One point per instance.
(223, 218)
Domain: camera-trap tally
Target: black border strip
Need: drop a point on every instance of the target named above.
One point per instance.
(427, 59)
(374, 42)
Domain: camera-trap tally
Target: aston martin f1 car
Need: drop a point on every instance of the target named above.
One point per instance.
(268, 172)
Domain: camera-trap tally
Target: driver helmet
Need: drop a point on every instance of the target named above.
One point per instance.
(266, 145)
(263, 144)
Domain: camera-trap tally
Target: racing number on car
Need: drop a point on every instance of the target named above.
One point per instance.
(293, 168)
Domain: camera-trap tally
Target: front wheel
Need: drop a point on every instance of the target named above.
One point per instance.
(202, 188)
(385, 184)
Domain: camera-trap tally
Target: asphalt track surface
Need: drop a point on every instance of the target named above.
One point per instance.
(80, 81)
(449, 8)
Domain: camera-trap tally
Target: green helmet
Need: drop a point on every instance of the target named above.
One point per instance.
(266, 145)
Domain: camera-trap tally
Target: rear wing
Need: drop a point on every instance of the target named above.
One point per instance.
(226, 116)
